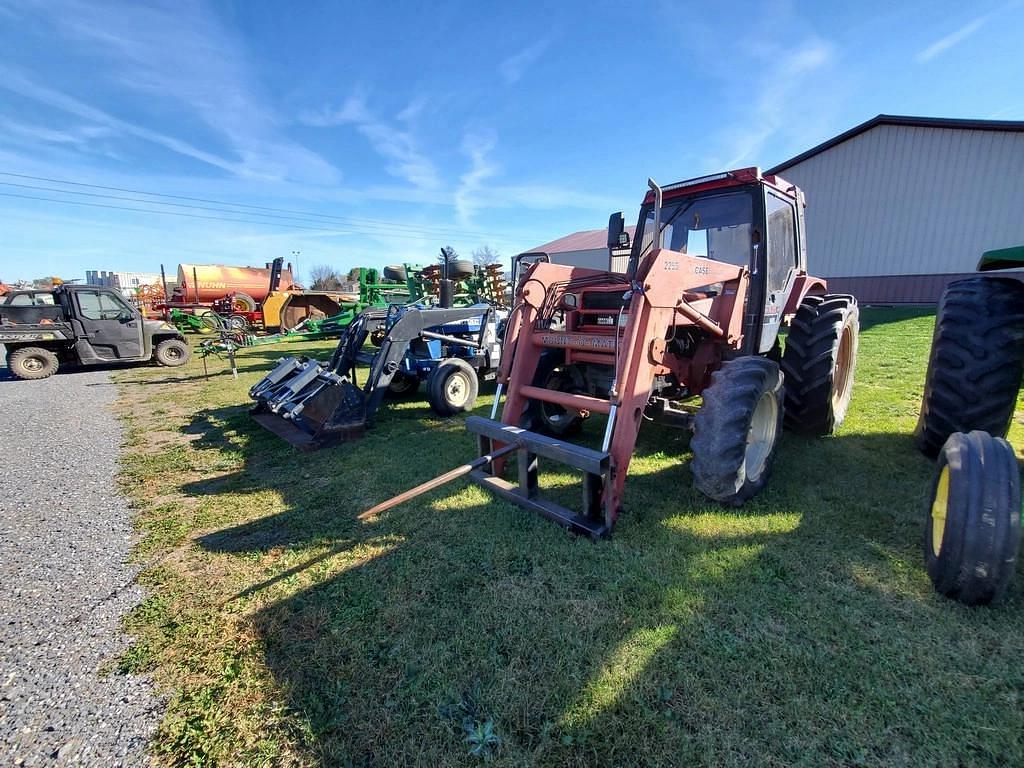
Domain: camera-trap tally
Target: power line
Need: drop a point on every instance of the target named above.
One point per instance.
(196, 215)
(424, 229)
(150, 202)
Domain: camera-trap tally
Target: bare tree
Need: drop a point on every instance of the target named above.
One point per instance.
(485, 255)
(325, 278)
(448, 255)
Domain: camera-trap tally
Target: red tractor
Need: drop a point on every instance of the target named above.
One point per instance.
(688, 336)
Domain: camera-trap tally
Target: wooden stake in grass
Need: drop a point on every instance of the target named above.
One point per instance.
(447, 477)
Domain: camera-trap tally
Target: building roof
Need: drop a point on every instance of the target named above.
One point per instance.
(914, 122)
(587, 240)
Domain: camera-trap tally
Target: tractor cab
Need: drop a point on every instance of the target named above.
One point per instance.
(741, 217)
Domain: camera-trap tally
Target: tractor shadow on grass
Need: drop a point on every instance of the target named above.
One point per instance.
(796, 626)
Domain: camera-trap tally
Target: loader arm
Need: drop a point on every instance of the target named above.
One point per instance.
(663, 295)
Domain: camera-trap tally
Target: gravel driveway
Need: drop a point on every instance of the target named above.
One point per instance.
(64, 580)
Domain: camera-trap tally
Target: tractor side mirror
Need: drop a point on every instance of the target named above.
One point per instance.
(618, 237)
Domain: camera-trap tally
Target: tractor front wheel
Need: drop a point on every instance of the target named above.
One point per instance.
(736, 431)
(403, 385)
(452, 387)
(972, 532)
(549, 418)
(818, 363)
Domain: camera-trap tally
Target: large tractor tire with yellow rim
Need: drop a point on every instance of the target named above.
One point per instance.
(976, 361)
(819, 361)
(972, 534)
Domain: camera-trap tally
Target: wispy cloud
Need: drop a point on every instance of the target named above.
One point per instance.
(19, 83)
(783, 74)
(514, 67)
(78, 136)
(954, 38)
(476, 147)
(398, 145)
(182, 58)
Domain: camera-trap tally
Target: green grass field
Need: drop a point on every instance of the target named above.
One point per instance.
(458, 630)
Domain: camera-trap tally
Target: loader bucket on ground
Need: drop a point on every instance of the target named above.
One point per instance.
(308, 405)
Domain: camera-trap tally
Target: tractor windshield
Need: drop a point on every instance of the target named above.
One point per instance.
(716, 226)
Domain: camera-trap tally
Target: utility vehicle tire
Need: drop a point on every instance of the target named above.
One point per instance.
(460, 269)
(548, 418)
(452, 387)
(403, 385)
(972, 532)
(32, 363)
(819, 361)
(976, 361)
(243, 302)
(395, 272)
(172, 352)
(736, 431)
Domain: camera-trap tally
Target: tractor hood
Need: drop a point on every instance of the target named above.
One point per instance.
(1003, 258)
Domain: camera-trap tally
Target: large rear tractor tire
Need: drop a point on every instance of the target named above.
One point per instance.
(395, 273)
(460, 269)
(976, 361)
(819, 362)
(172, 352)
(972, 533)
(32, 363)
(548, 418)
(243, 302)
(452, 387)
(736, 432)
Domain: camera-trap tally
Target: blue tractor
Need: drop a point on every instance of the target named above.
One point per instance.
(312, 404)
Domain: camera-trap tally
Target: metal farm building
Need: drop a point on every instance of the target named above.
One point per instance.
(899, 206)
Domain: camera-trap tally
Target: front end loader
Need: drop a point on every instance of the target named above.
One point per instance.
(688, 336)
(313, 405)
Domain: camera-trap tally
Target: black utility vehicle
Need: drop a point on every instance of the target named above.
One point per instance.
(83, 325)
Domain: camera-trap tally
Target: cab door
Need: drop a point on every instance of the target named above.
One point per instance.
(781, 263)
(112, 327)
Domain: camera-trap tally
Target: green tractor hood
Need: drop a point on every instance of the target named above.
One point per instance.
(1002, 258)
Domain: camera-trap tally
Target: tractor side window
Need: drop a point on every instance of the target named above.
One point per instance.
(781, 241)
(23, 300)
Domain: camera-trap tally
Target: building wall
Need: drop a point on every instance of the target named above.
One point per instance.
(127, 282)
(909, 204)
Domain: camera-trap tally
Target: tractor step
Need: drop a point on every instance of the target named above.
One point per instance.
(594, 521)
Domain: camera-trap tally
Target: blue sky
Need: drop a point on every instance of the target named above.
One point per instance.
(392, 129)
